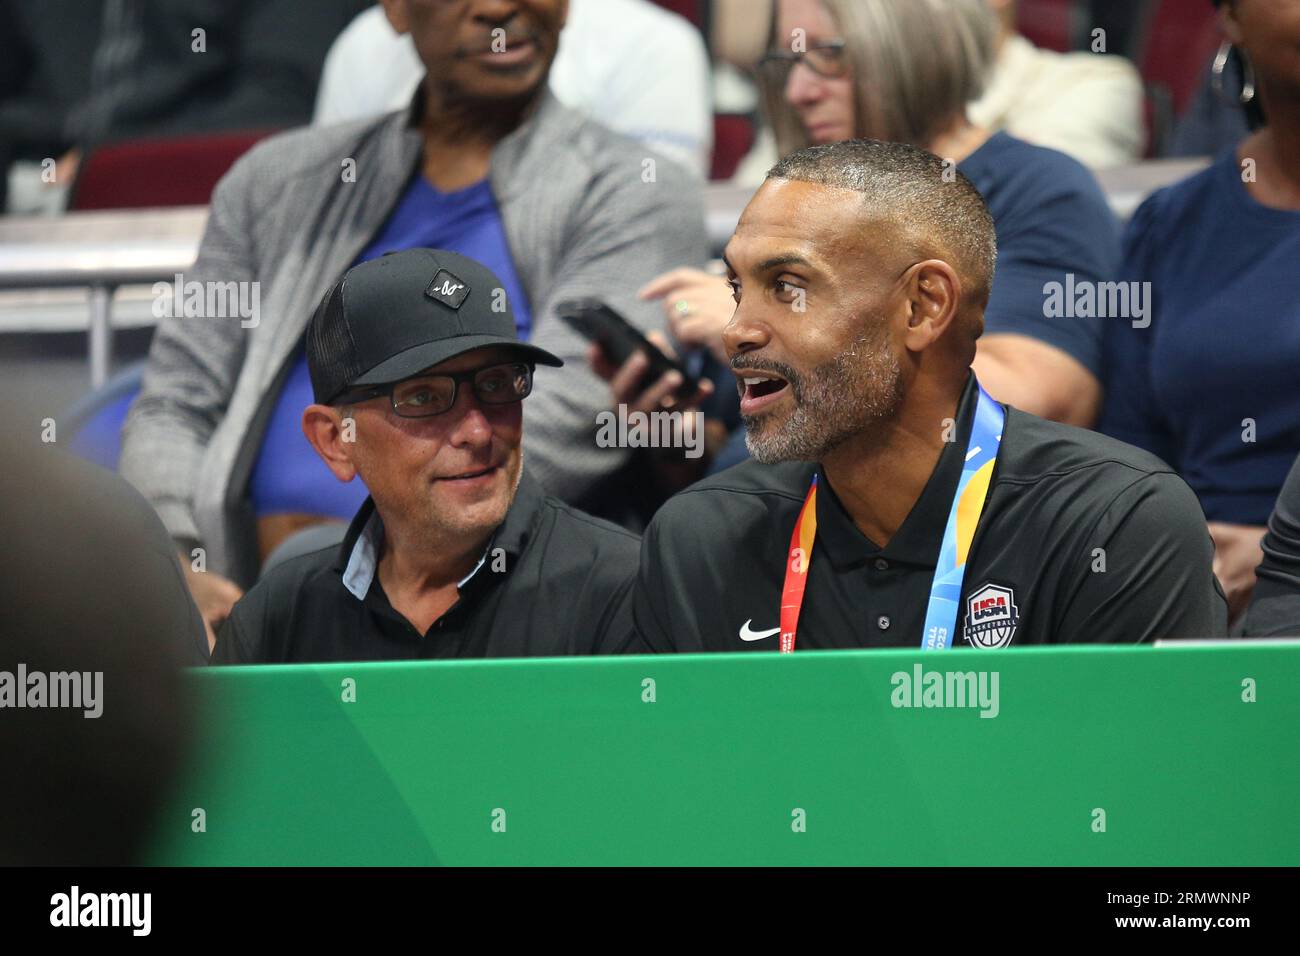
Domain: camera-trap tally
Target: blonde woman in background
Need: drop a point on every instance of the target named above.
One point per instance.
(904, 71)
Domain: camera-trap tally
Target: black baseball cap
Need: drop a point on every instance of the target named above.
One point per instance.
(393, 317)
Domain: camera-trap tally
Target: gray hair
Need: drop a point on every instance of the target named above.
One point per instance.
(915, 65)
(936, 210)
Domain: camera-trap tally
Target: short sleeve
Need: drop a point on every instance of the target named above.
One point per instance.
(1146, 571)
(1051, 227)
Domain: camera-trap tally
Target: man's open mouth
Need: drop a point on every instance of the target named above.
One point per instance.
(759, 389)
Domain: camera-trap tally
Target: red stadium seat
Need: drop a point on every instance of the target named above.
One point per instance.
(1180, 40)
(733, 137)
(179, 171)
(1047, 23)
(692, 10)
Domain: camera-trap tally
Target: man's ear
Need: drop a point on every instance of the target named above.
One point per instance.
(333, 435)
(933, 293)
(396, 12)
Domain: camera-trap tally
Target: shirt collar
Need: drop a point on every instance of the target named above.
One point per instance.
(358, 557)
(918, 540)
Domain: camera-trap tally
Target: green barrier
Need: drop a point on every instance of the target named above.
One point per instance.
(1177, 755)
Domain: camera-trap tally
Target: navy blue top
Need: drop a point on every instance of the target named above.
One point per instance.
(289, 477)
(1052, 220)
(1223, 345)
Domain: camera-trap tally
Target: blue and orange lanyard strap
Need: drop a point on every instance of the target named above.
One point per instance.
(959, 531)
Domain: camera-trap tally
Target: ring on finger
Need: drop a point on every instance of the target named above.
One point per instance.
(682, 307)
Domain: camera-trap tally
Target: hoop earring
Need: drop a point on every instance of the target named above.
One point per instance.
(1247, 81)
(1220, 63)
(1221, 58)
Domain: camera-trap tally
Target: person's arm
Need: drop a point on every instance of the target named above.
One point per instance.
(193, 364)
(1037, 378)
(672, 569)
(1151, 578)
(241, 638)
(652, 598)
(627, 232)
(1275, 608)
(1064, 232)
(601, 609)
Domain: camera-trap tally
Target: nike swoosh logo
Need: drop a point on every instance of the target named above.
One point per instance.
(747, 635)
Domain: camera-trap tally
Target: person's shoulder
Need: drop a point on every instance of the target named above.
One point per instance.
(1035, 449)
(601, 537)
(1038, 172)
(305, 151)
(1188, 196)
(611, 161)
(282, 585)
(747, 492)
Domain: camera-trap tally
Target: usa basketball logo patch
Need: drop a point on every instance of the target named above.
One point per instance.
(991, 616)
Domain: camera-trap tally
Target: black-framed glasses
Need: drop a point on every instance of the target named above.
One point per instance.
(826, 58)
(427, 395)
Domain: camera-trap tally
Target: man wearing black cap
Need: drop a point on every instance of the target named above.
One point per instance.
(418, 380)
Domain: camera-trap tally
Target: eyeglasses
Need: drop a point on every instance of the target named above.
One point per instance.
(826, 59)
(427, 395)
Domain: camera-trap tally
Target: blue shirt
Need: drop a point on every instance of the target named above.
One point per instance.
(1211, 386)
(1052, 221)
(289, 477)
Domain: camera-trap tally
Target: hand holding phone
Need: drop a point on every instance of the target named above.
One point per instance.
(619, 340)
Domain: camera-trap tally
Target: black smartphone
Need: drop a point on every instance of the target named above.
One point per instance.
(619, 338)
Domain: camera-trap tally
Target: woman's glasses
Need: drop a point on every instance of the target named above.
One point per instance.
(826, 59)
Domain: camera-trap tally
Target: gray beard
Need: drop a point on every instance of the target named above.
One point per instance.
(845, 397)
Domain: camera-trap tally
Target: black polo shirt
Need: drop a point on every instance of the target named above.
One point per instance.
(552, 581)
(1083, 539)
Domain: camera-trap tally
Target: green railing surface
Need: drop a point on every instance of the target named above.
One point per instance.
(1172, 755)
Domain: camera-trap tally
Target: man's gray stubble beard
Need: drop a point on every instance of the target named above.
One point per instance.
(835, 402)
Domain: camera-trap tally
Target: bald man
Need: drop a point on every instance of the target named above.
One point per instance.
(890, 501)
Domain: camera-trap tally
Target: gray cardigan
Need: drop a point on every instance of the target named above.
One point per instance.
(580, 218)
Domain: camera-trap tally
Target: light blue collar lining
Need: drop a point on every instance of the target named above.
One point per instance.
(363, 562)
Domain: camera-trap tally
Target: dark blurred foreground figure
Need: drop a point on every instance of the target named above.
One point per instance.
(90, 587)
(1275, 608)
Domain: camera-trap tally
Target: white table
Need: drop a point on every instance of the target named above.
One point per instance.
(71, 272)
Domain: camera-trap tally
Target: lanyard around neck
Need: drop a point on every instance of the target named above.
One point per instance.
(950, 570)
